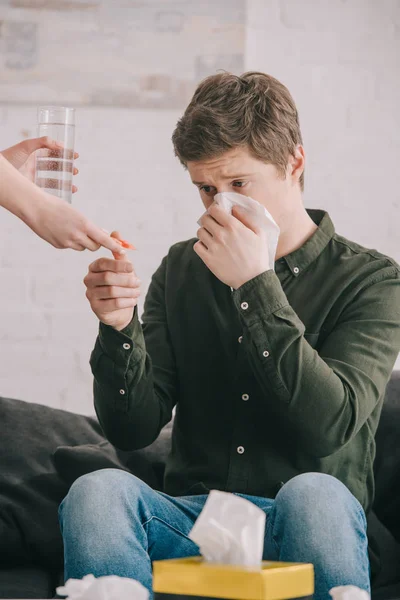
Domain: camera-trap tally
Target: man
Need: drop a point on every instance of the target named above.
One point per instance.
(278, 382)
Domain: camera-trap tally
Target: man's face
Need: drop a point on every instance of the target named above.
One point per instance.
(238, 171)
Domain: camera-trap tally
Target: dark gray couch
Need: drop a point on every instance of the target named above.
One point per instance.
(42, 451)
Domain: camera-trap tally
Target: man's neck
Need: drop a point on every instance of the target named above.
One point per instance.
(295, 235)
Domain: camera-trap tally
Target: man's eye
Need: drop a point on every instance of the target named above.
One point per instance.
(207, 189)
(239, 184)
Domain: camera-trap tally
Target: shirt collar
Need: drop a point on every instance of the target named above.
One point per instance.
(300, 259)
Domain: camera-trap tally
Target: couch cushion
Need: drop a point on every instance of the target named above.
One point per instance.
(148, 464)
(387, 462)
(389, 592)
(384, 552)
(30, 487)
(42, 451)
(26, 582)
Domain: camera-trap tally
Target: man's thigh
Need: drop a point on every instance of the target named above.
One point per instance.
(266, 505)
(168, 523)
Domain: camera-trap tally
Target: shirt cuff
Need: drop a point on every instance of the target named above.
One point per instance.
(119, 345)
(260, 297)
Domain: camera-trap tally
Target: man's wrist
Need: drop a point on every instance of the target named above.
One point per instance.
(260, 297)
(117, 344)
(125, 325)
(241, 282)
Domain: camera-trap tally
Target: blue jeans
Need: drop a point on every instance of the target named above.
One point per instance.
(114, 524)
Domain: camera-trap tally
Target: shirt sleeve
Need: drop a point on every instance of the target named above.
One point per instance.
(134, 394)
(328, 395)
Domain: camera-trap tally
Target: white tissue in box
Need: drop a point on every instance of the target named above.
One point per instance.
(103, 588)
(230, 530)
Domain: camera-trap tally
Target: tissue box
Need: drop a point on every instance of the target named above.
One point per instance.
(193, 577)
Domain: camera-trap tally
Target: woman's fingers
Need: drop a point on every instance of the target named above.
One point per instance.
(90, 244)
(104, 239)
(76, 246)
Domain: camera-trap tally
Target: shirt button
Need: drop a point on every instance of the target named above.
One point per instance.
(126, 346)
(240, 449)
(244, 306)
(245, 397)
(240, 339)
(296, 270)
(265, 354)
(122, 392)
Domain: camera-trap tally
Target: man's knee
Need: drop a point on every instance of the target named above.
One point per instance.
(316, 494)
(101, 491)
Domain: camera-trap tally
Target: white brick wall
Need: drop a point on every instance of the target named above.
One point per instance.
(341, 62)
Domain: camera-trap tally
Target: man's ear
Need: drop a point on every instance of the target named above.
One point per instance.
(296, 164)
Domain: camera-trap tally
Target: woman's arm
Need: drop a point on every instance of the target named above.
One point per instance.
(49, 217)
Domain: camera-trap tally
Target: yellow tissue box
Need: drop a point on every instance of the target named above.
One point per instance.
(195, 577)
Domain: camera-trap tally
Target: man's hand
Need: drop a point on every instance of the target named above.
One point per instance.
(22, 156)
(233, 247)
(113, 291)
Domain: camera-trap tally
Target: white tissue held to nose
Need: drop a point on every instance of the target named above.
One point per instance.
(230, 530)
(103, 588)
(227, 200)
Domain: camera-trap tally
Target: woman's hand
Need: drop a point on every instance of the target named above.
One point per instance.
(22, 156)
(63, 226)
(49, 217)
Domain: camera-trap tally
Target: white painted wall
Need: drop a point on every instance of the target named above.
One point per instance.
(339, 58)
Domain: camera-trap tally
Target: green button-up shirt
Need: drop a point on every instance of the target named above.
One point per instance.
(283, 376)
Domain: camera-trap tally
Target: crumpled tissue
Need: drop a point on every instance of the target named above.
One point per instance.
(109, 587)
(230, 530)
(227, 200)
(349, 592)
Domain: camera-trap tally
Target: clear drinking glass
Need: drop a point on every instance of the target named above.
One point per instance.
(54, 168)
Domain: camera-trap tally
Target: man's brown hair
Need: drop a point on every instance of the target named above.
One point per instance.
(254, 110)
